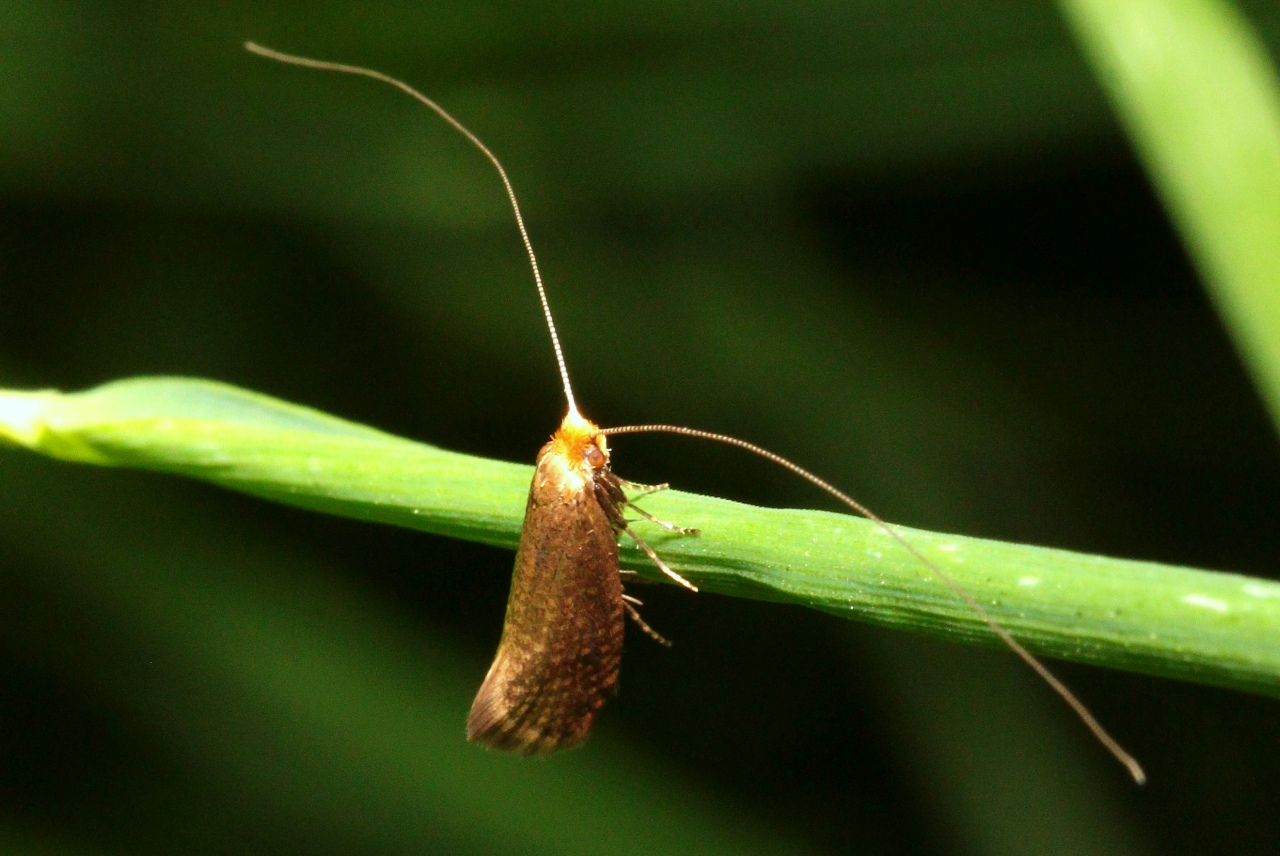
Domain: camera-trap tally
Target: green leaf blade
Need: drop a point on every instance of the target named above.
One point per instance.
(1196, 625)
(260, 445)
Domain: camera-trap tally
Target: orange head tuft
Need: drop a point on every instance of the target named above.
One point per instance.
(580, 445)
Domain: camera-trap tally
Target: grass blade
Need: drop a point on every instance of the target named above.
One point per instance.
(1200, 100)
(1197, 625)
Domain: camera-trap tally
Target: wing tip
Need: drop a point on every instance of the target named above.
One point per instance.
(524, 730)
(519, 736)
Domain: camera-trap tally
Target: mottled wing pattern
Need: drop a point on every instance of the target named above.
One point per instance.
(562, 639)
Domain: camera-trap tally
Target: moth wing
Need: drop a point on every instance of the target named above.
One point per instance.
(561, 643)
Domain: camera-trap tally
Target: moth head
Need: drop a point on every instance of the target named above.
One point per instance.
(577, 453)
(581, 444)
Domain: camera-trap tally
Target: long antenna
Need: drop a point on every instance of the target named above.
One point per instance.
(1130, 763)
(1112, 746)
(323, 65)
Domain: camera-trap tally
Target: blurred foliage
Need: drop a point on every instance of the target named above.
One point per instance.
(1201, 101)
(904, 243)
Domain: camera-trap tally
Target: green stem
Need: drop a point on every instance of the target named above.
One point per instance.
(1179, 622)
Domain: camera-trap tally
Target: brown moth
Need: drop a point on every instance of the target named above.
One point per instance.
(561, 647)
(562, 638)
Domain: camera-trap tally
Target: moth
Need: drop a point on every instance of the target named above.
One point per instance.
(561, 648)
(562, 638)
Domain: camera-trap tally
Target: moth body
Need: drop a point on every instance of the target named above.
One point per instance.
(561, 643)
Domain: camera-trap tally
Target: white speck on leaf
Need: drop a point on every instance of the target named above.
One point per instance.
(1205, 601)
(1260, 590)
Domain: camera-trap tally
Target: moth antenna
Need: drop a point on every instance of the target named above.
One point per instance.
(343, 68)
(1130, 763)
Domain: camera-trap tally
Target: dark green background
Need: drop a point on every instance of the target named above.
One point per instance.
(903, 243)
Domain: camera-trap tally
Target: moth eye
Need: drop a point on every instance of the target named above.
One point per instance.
(595, 457)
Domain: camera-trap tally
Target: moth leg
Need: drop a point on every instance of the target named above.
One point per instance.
(662, 566)
(642, 489)
(635, 616)
(614, 498)
(678, 530)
